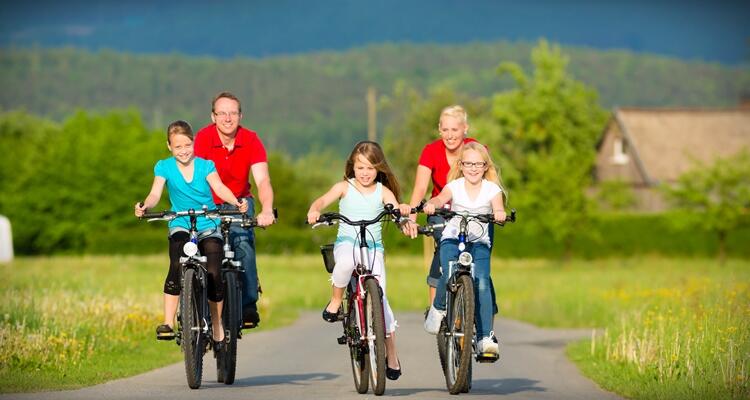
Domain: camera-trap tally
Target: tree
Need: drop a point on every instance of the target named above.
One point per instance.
(714, 197)
(80, 181)
(546, 129)
(616, 195)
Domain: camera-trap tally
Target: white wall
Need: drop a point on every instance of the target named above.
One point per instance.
(6, 240)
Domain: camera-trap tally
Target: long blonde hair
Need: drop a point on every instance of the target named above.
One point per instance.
(491, 174)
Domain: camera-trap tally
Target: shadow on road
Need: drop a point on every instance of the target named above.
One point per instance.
(292, 379)
(482, 387)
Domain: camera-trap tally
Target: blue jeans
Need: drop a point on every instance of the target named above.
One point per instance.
(483, 300)
(243, 244)
(433, 278)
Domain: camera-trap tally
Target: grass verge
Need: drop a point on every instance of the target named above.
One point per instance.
(668, 328)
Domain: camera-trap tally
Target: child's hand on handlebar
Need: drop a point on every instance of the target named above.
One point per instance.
(499, 215)
(139, 209)
(312, 217)
(405, 209)
(429, 208)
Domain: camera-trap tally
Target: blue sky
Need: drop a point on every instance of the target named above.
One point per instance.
(694, 30)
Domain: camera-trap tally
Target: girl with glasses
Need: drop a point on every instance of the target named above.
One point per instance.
(473, 187)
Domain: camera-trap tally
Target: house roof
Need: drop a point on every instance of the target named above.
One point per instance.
(664, 142)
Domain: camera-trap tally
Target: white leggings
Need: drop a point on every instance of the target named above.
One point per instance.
(345, 256)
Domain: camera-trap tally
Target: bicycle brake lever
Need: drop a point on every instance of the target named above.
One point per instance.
(329, 223)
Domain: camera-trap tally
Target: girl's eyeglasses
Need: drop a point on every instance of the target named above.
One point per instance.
(469, 164)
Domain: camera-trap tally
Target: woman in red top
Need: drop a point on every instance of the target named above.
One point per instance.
(434, 164)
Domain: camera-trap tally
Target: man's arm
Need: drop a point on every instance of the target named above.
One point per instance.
(265, 192)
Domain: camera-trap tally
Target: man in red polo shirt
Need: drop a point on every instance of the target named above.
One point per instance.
(237, 152)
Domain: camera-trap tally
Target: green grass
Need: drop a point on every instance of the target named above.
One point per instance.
(667, 327)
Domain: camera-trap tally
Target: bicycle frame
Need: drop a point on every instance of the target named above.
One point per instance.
(453, 344)
(231, 270)
(193, 269)
(366, 337)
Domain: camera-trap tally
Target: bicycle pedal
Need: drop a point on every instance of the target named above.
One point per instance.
(487, 357)
(341, 340)
(249, 325)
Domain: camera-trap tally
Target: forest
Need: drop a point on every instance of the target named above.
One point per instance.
(81, 132)
(315, 102)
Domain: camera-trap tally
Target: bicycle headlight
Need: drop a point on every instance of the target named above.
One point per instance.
(465, 258)
(190, 249)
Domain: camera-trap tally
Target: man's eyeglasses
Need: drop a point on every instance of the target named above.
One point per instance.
(222, 114)
(469, 164)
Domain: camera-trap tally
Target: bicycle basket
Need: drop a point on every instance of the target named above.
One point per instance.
(327, 251)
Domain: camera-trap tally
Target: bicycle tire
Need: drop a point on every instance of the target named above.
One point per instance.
(193, 342)
(375, 323)
(226, 361)
(460, 330)
(442, 344)
(359, 358)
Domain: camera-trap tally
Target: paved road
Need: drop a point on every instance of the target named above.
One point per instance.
(304, 361)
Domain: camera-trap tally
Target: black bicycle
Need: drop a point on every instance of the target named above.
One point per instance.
(362, 307)
(226, 359)
(456, 337)
(194, 330)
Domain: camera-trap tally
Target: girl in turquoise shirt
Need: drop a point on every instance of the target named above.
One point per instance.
(189, 181)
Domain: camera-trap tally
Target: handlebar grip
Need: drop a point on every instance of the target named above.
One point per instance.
(230, 212)
(420, 207)
(512, 216)
(275, 213)
(159, 214)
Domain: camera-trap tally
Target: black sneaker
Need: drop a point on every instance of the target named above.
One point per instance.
(164, 332)
(250, 318)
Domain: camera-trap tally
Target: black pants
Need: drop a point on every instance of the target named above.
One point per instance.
(210, 247)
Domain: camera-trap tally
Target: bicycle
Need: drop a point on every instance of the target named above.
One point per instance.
(361, 310)
(226, 359)
(194, 331)
(453, 348)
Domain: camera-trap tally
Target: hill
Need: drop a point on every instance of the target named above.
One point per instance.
(304, 102)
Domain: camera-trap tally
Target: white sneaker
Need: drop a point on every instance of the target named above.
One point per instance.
(489, 345)
(434, 318)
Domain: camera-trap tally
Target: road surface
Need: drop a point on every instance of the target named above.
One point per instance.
(303, 361)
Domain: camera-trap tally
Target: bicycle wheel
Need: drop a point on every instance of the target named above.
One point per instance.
(375, 324)
(357, 352)
(460, 331)
(193, 341)
(226, 360)
(442, 344)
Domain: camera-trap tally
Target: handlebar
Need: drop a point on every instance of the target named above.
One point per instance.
(489, 218)
(330, 218)
(429, 229)
(229, 217)
(168, 215)
(225, 216)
